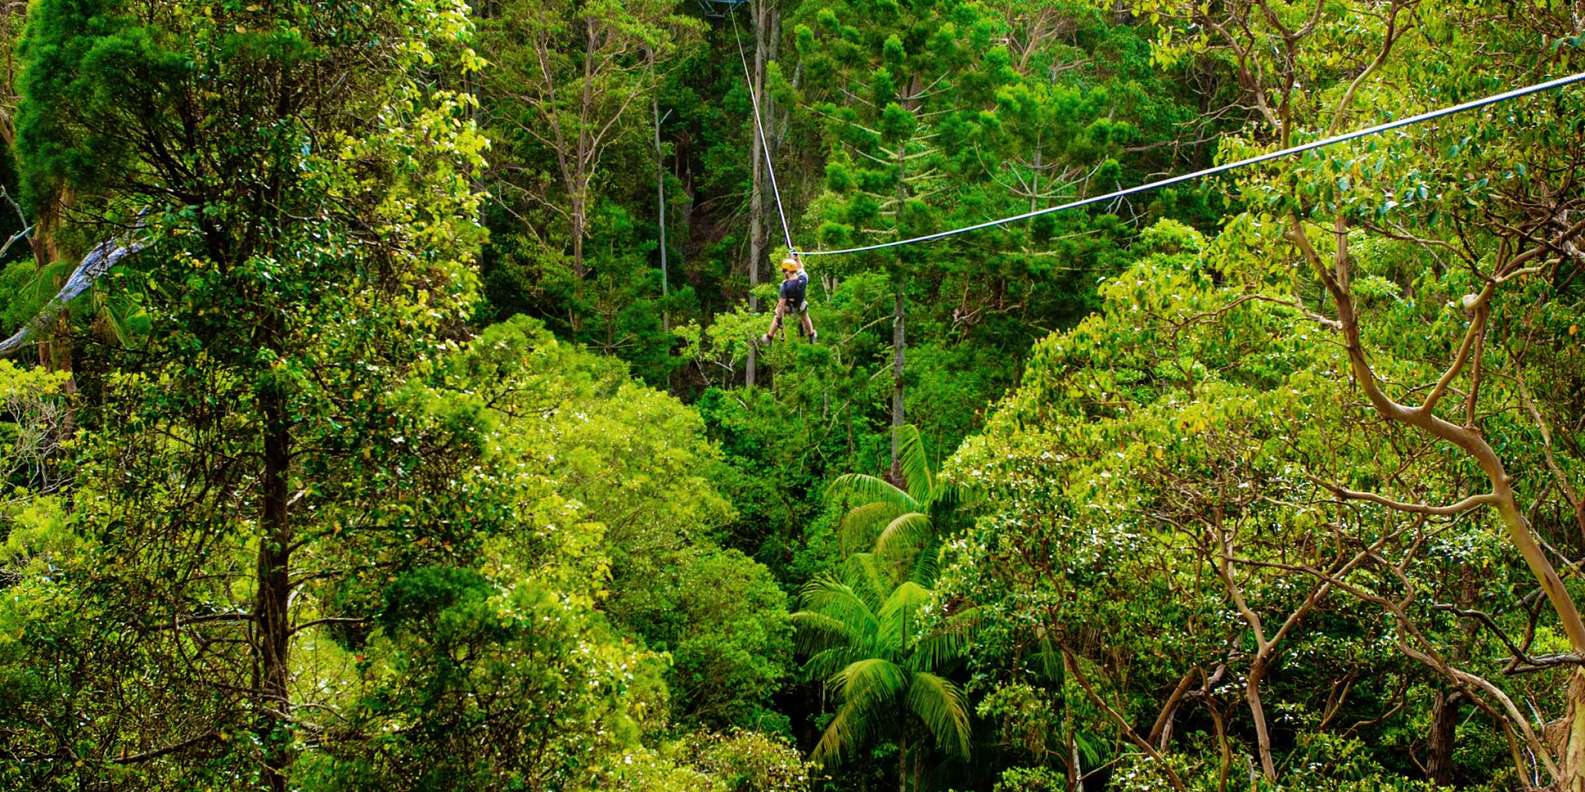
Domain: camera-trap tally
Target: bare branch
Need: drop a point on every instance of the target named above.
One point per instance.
(1471, 502)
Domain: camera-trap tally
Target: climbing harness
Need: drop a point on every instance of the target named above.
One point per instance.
(1200, 174)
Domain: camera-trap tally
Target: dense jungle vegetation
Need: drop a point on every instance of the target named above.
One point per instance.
(417, 433)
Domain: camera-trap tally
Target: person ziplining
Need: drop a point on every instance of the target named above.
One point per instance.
(795, 279)
(104, 256)
(794, 287)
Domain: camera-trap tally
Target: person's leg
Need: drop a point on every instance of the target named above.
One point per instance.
(775, 322)
(809, 325)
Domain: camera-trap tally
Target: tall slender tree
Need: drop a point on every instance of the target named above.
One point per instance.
(895, 85)
(568, 81)
(306, 204)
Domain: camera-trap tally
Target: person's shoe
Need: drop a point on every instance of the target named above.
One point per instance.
(814, 337)
(765, 340)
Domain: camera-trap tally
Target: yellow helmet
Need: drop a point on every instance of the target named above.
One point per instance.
(790, 264)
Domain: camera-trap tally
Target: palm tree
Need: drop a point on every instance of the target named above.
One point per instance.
(869, 644)
(894, 519)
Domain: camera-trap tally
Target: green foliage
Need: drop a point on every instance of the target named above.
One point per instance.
(453, 648)
(345, 481)
(870, 641)
(744, 761)
(566, 94)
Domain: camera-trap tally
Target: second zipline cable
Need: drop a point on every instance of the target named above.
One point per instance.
(1200, 174)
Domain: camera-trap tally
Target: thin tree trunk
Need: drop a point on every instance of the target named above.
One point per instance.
(1075, 769)
(579, 226)
(578, 216)
(902, 762)
(758, 232)
(1444, 723)
(899, 340)
(660, 209)
(1076, 766)
(274, 566)
(54, 348)
(1225, 752)
(1571, 743)
(1257, 711)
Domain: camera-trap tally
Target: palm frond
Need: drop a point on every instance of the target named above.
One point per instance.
(864, 488)
(962, 621)
(871, 683)
(860, 526)
(1048, 661)
(823, 664)
(957, 495)
(922, 567)
(838, 602)
(114, 317)
(941, 706)
(868, 578)
(903, 536)
(908, 597)
(844, 734)
(900, 615)
(915, 463)
(1089, 749)
(46, 280)
(935, 651)
(868, 689)
(818, 630)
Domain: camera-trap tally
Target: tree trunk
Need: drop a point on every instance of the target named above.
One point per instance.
(660, 210)
(902, 762)
(758, 232)
(55, 345)
(275, 546)
(1225, 751)
(54, 348)
(1571, 739)
(1257, 711)
(575, 311)
(898, 342)
(1444, 721)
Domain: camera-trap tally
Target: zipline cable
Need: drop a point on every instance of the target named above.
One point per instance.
(1200, 174)
(764, 144)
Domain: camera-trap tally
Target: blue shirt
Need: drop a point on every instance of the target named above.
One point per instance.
(793, 290)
